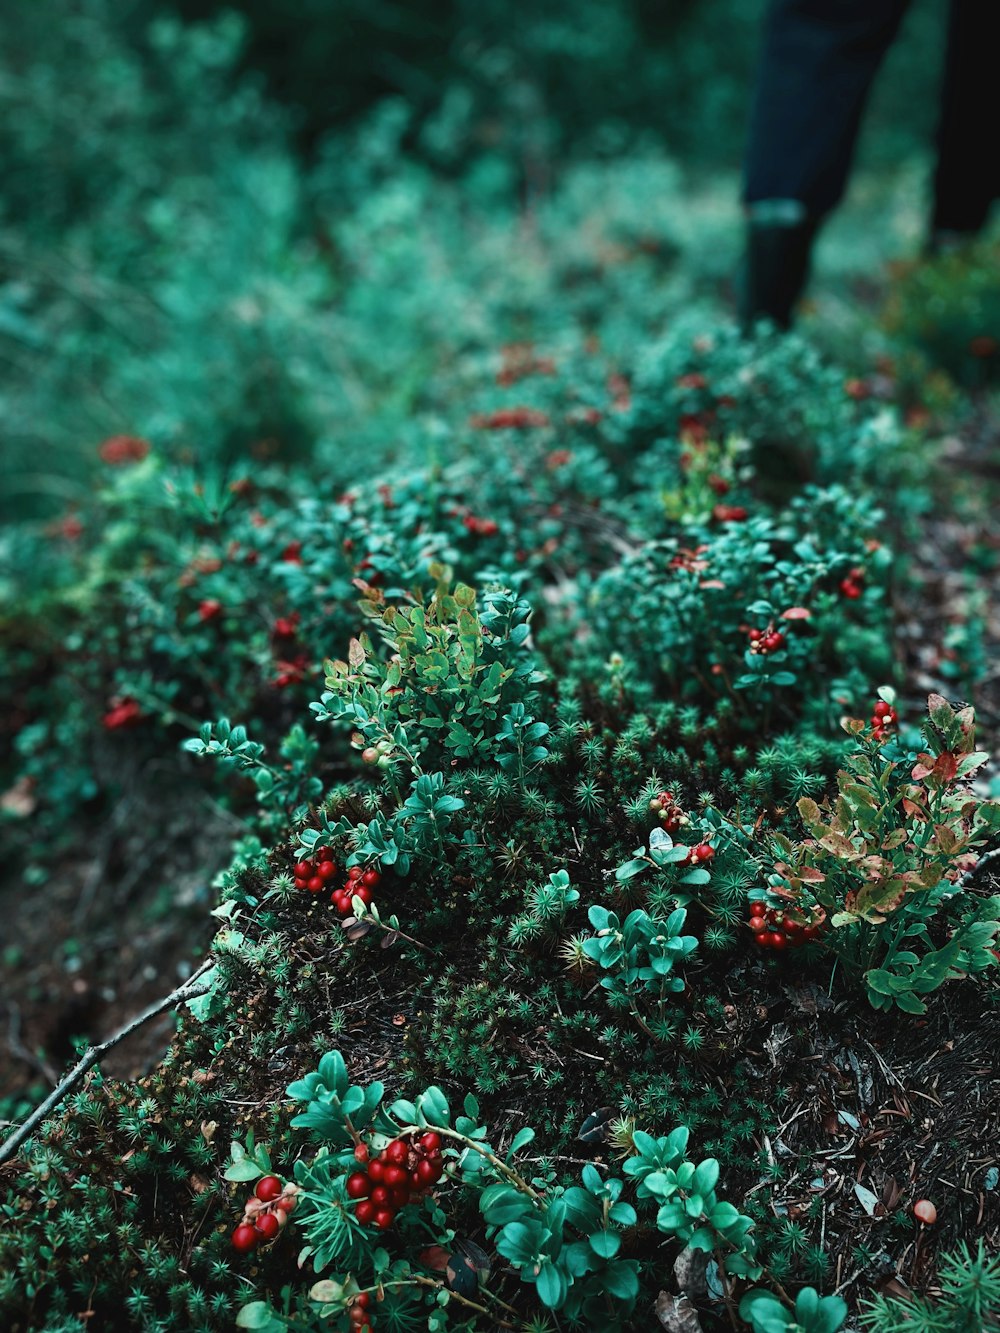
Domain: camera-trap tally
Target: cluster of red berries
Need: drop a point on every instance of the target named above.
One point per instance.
(360, 884)
(358, 1316)
(730, 513)
(766, 641)
(510, 418)
(292, 664)
(314, 875)
(850, 586)
(402, 1170)
(773, 929)
(119, 450)
(481, 527)
(124, 713)
(884, 718)
(668, 811)
(699, 855)
(265, 1214)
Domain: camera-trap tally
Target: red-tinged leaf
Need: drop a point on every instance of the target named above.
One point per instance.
(809, 810)
(389, 938)
(796, 613)
(810, 875)
(711, 583)
(854, 726)
(946, 839)
(945, 767)
(840, 846)
(940, 710)
(355, 653)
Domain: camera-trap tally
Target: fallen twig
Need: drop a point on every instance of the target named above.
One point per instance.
(93, 1054)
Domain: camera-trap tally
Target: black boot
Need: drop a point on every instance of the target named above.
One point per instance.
(775, 268)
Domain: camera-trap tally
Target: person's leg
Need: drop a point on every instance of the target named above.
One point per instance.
(967, 179)
(817, 64)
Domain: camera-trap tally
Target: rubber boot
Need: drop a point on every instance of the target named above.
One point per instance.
(776, 265)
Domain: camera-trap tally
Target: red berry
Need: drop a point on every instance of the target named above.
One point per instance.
(268, 1225)
(375, 1169)
(355, 872)
(365, 1212)
(323, 854)
(431, 1141)
(301, 883)
(394, 1176)
(397, 1151)
(361, 1152)
(401, 1196)
(364, 894)
(287, 1203)
(379, 1195)
(209, 609)
(704, 852)
(363, 1299)
(758, 925)
(383, 1218)
(268, 1189)
(882, 709)
(758, 908)
(428, 1172)
(315, 885)
(779, 941)
(358, 1185)
(326, 870)
(371, 878)
(245, 1238)
(304, 870)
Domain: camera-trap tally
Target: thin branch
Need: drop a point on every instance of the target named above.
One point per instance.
(93, 1054)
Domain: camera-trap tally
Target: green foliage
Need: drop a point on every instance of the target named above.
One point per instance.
(886, 853)
(969, 1300)
(812, 1313)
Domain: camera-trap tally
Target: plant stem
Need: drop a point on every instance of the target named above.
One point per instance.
(93, 1054)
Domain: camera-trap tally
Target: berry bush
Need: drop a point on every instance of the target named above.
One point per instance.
(591, 858)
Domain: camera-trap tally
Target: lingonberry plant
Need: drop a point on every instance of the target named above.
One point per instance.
(523, 646)
(882, 869)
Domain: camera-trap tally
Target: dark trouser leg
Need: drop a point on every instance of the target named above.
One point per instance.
(817, 64)
(967, 179)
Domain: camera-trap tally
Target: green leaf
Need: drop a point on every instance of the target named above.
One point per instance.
(605, 1243)
(521, 1139)
(552, 1285)
(630, 869)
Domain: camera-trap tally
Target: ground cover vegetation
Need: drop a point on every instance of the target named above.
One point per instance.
(602, 927)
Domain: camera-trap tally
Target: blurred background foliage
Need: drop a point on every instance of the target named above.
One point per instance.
(265, 228)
